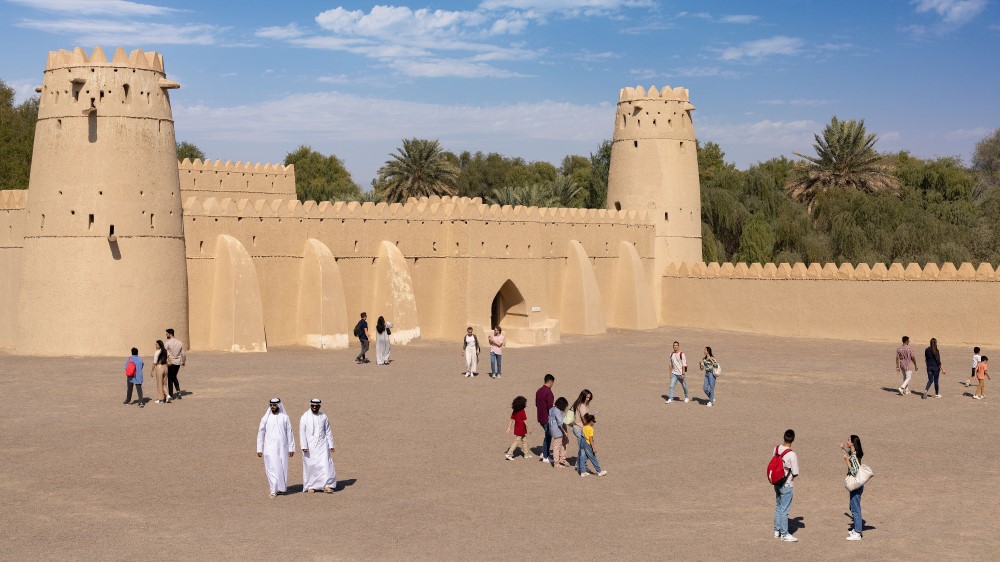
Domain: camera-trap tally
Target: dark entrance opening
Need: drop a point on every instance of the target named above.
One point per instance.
(509, 308)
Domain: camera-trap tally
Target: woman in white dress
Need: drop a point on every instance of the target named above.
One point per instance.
(383, 330)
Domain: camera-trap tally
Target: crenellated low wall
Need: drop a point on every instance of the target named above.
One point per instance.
(235, 180)
(957, 305)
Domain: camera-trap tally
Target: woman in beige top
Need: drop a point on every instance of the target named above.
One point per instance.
(580, 407)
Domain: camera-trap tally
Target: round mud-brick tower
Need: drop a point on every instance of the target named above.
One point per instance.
(104, 267)
(654, 168)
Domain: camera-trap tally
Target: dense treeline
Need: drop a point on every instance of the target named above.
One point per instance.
(845, 203)
(941, 211)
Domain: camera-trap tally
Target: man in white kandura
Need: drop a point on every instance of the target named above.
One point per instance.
(276, 443)
(316, 438)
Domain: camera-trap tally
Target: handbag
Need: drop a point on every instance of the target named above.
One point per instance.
(854, 482)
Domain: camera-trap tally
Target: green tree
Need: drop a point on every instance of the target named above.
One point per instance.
(420, 168)
(756, 241)
(600, 164)
(845, 159)
(321, 178)
(189, 151)
(17, 137)
(986, 160)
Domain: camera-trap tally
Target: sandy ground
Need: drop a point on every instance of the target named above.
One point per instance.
(420, 456)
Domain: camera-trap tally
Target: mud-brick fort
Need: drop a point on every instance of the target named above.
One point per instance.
(115, 240)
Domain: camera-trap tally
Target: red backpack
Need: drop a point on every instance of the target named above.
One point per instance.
(130, 369)
(776, 468)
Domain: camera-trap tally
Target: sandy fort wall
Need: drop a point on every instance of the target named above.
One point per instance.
(876, 303)
(433, 266)
(237, 180)
(12, 215)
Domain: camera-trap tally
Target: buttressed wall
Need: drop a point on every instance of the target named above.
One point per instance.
(879, 303)
(279, 272)
(103, 263)
(654, 167)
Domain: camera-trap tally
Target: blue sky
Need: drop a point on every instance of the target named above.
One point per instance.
(538, 78)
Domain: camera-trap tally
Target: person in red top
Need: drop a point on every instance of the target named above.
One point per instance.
(518, 422)
(544, 401)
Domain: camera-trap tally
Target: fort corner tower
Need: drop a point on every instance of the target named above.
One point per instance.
(104, 265)
(654, 168)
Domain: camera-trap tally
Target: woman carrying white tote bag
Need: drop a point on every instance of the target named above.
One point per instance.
(857, 475)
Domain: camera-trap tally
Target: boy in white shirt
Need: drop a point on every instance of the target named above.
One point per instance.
(976, 358)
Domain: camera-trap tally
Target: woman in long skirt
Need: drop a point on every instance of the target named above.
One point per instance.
(160, 372)
(383, 330)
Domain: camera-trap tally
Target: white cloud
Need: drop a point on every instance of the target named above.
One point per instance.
(798, 102)
(24, 88)
(289, 31)
(966, 134)
(761, 139)
(890, 136)
(569, 8)
(117, 8)
(438, 68)
(96, 32)
(739, 18)
(546, 130)
(952, 12)
(760, 48)
(702, 72)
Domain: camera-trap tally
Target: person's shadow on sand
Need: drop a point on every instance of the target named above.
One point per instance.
(795, 523)
(864, 524)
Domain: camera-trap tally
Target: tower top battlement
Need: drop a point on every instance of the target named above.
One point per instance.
(666, 93)
(78, 57)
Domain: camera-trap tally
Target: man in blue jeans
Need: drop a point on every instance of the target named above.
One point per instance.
(783, 490)
(543, 402)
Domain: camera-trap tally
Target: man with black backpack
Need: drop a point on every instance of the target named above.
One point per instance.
(781, 473)
(361, 332)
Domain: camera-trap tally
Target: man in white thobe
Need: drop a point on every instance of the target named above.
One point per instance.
(276, 443)
(316, 437)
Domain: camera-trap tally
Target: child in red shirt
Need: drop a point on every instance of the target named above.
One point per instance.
(518, 419)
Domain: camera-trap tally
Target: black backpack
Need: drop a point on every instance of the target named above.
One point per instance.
(357, 329)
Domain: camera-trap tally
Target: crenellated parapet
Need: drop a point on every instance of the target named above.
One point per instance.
(448, 208)
(667, 93)
(235, 179)
(862, 272)
(78, 57)
(13, 198)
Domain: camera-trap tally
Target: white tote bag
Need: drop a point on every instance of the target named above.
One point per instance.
(854, 482)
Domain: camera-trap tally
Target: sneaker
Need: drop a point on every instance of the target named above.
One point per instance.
(788, 538)
(142, 405)
(508, 457)
(923, 396)
(686, 399)
(667, 401)
(528, 456)
(543, 459)
(602, 473)
(584, 474)
(777, 535)
(937, 396)
(159, 401)
(709, 404)
(127, 402)
(273, 495)
(854, 536)
(908, 391)
(902, 392)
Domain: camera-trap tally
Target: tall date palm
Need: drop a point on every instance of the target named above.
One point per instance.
(845, 159)
(417, 169)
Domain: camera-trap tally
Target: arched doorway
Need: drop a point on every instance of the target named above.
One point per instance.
(508, 308)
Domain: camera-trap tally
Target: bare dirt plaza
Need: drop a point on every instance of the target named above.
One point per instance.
(420, 456)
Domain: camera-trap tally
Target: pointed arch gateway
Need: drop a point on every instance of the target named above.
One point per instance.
(509, 308)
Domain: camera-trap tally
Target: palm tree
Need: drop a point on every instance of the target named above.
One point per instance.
(418, 169)
(845, 159)
(506, 195)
